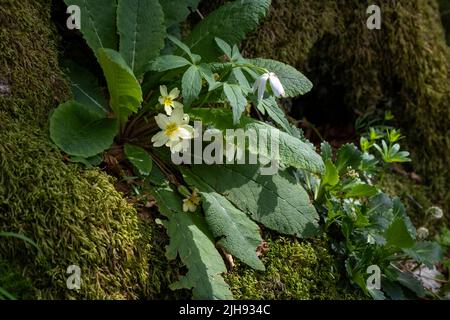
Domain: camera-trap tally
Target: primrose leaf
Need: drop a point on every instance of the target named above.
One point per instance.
(124, 89)
(293, 81)
(169, 62)
(176, 11)
(238, 234)
(142, 32)
(292, 151)
(140, 159)
(98, 22)
(192, 242)
(80, 131)
(85, 88)
(230, 22)
(277, 201)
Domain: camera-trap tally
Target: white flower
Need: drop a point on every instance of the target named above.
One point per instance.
(168, 99)
(436, 212)
(422, 233)
(275, 83)
(175, 131)
(191, 203)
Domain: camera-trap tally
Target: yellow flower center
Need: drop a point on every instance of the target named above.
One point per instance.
(171, 129)
(168, 102)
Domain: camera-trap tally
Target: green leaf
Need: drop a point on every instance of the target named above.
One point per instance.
(80, 131)
(239, 235)
(326, 151)
(359, 190)
(185, 48)
(98, 22)
(278, 201)
(19, 236)
(191, 85)
(348, 156)
(140, 159)
(408, 280)
(428, 253)
(293, 81)
(331, 176)
(237, 100)
(190, 239)
(292, 151)
(142, 32)
(169, 62)
(231, 22)
(270, 105)
(124, 89)
(176, 11)
(85, 88)
(225, 47)
(397, 235)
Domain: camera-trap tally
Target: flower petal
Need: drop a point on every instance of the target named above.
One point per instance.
(175, 93)
(162, 120)
(276, 85)
(163, 90)
(185, 132)
(161, 100)
(168, 110)
(177, 104)
(262, 86)
(159, 139)
(177, 116)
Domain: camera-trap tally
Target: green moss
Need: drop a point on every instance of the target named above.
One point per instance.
(295, 271)
(14, 282)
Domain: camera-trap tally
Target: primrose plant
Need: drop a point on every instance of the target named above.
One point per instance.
(160, 85)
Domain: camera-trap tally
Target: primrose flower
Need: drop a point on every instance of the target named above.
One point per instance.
(191, 203)
(175, 131)
(275, 83)
(436, 212)
(422, 233)
(168, 99)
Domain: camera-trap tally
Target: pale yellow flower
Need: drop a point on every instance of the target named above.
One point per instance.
(190, 204)
(176, 132)
(168, 99)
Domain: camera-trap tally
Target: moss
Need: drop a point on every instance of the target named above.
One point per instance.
(14, 282)
(294, 271)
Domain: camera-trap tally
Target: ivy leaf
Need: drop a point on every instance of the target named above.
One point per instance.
(85, 88)
(191, 241)
(428, 253)
(398, 235)
(191, 85)
(168, 62)
(278, 201)
(231, 22)
(124, 89)
(237, 100)
(81, 131)
(142, 32)
(176, 11)
(140, 159)
(293, 81)
(98, 22)
(239, 235)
